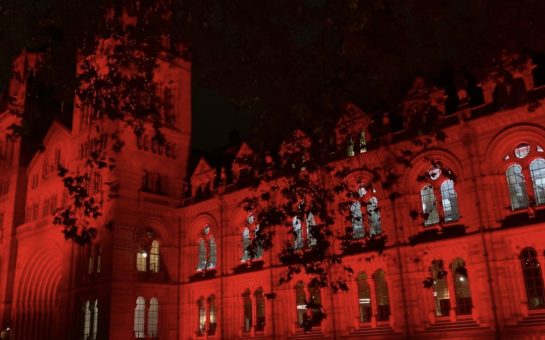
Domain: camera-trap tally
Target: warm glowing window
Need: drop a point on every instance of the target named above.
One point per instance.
(148, 257)
(90, 319)
(207, 316)
(533, 278)
(211, 315)
(202, 316)
(382, 296)
(153, 317)
(517, 187)
(154, 257)
(139, 318)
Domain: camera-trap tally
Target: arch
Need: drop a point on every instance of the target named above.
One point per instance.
(449, 199)
(382, 295)
(364, 298)
(462, 291)
(505, 140)
(517, 187)
(533, 278)
(421, 164)
(537, 172)
(139, 318)
(429, 205)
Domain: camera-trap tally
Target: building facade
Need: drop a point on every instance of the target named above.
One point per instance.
(463, 228)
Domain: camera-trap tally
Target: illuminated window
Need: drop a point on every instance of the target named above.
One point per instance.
(533, 278)
(246, 244)
(429, 205)
(462, 291)
(90, 319)
(139, 318)
(517, 187)
(364, 298)
(311, 224)
(247, 252)
(154, 257)
(537, 170)
(450, 201)
(211, 315)
(301, 302)
(202, 316)
(153, 317)
(382, 296)
(148, 257)
(440, 289)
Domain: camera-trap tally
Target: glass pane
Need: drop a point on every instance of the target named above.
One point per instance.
(537, 170)
(517, 187)
(533, 279)
(450, 201)
(364, 298)
(357, 220)
(382, 296)
(462, 290)
(429, 206)
(440, 289)
(373, 214)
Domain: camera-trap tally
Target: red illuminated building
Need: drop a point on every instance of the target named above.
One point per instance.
(468, 223)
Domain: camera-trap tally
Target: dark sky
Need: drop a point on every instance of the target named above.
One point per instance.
(264, 67)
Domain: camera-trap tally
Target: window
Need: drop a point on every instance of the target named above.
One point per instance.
(461, 287)
(139, 318)
(251, 228)
(357, 220)
(537, 170)
(207, 250)
(364, 298)
(374, 216)
(522, 150)
(259, 310)
(153, 182)
(306, 233)
(207, 316)
(298, 231)
(449, 200)
(311, 224)
(248, 310)
(533, 278)
(440, 289)
(153, 317)
(517, 187)
(148, 257)
(372, 222)
(429, 205)
(308, 310)
(382, 296)
(90, 319)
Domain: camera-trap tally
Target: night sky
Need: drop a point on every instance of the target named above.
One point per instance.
(267, 67)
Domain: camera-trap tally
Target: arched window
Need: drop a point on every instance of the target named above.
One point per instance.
(154, 257)
(86, 320)
(153, 317)
(537, 170)
(461, 287)
(364, 298)
(212, 256)
(245, 244)
(90, 319)
(147, 258)
(315, 300)
(301, 302)
(259, 310)
(95, 320)
(311, 224)
(298, 231)
(139, 318)
(357, 220)
(212, 315)
(382, 296)
(202, 316)
(373, 214)
(207, 250)
(440, 288)
(248, 310)
(429, 205)
(517, 187)
(450, 201)
(533, 278)
(202, 255)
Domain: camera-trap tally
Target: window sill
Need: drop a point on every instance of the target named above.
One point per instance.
(203, 275)
(249, 266)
